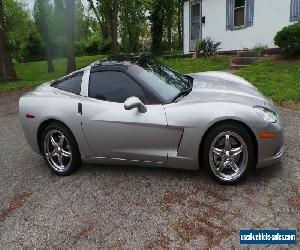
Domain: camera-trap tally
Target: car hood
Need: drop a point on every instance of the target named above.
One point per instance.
(224, 87)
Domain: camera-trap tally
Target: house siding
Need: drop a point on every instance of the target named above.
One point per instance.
(270, 16)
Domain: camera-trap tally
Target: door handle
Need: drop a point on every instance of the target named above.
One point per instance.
(80, 108)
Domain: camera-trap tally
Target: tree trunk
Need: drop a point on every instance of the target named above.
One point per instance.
(130, 42)
(70, 7)
(170, 33)
(49, 58)
(49, 54)
(180, 35)
(180, 24)
(7, 70)
(45, 31)
(135, 41)
(157, 28)
(104, 30)
(114, 27)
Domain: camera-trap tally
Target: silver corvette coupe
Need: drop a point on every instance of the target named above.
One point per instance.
(137, 111)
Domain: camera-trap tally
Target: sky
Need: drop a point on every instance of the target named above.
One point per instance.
(30, 4)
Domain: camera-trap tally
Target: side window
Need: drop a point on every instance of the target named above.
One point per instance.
(114, 86)
(71, 84)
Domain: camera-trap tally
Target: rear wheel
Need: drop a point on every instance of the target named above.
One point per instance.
(228, 152)
(60, 149)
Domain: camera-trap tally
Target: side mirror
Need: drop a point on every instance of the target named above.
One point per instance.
(134, 102)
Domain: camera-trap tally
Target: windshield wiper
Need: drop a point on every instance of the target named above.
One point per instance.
(185, 92)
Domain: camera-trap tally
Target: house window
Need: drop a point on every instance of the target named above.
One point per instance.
(295, 10)
(239, 13)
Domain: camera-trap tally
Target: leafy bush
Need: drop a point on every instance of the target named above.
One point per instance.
(207, 47)
(260, 48)
(104, 47)
(34, 45)
(93, 45)
(89, 46)
(288, 39)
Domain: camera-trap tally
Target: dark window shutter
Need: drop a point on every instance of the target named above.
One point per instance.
(295, 10)
(229, 14)
(249, 17)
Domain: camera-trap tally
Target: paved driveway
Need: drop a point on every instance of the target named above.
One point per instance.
(133, 207)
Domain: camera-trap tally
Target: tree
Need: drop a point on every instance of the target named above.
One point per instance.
(157, 27)
(132, 23)
(169, 7)
(101, 16)
(42, 10)
(166, 18)
(16, 18)
(58, 27)
(107, 13)
(57, 24)
(70, 8)
(7, 71)
(114, 26)
(179, 15)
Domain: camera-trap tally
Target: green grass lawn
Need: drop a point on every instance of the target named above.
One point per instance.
(35, 73)
(190, 65)
(277, 79)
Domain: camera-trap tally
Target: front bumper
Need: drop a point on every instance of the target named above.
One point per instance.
(270, 150)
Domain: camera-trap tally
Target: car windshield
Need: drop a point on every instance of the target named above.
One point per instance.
(166, 82)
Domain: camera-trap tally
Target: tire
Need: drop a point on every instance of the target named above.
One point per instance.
(228, 152)
(60, 149)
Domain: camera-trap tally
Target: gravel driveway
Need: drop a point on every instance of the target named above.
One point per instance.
(132, 207)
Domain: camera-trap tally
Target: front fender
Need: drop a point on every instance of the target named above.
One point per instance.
(197, 118)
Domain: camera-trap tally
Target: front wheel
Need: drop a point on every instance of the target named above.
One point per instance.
(228, 152)
(60, 149)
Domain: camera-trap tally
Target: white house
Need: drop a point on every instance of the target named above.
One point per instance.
(237, 24)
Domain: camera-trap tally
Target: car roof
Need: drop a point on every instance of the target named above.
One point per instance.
(121, 60)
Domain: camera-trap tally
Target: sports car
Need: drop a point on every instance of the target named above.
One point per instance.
(134, 110)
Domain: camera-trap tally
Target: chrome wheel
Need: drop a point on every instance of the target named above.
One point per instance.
(57, 150)
(228, 156)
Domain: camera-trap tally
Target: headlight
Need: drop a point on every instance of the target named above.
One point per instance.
(268, 115)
